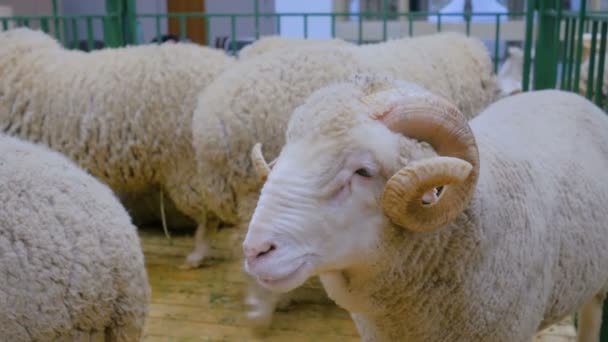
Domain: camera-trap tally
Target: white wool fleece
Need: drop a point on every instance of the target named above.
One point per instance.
(274, 43)
(526, 251)
(123, 114)
(71, 264)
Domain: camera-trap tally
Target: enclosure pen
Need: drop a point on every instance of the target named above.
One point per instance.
(562, 48)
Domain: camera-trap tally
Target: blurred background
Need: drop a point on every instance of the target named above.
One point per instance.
(151, 18)
(534, 44)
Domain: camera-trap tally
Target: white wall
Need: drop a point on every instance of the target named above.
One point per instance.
(148, 25)
(245, 26)
(26, 8)
(29, 7)
(88, 7)
(318, 27)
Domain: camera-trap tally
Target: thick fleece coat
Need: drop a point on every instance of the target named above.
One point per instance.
(273, 43)
(529, 250)
(122, 114)
(526, 251)
(71, 265)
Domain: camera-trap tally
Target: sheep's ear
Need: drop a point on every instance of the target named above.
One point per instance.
(261, 167)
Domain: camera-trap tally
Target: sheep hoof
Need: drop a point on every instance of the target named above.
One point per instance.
(259, 318)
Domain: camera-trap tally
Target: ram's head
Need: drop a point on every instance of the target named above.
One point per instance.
(361, 157)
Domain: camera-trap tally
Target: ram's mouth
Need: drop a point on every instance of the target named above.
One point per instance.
(286, 281)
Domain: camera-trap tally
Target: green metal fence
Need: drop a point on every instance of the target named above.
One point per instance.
(559, 61)
(66, 28)
(556, 35)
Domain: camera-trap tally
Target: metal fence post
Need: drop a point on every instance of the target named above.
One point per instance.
(130, 22)
(547, 45)
(56, 19)
(112, 24)
(256, 14)
(528, 44)
(604, 329)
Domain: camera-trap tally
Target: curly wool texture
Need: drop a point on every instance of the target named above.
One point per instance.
(275, 43)
(252, 102)
(71, 265)
(528, 251)
(122, 114)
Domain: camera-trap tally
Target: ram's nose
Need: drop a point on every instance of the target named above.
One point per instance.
(256, 250)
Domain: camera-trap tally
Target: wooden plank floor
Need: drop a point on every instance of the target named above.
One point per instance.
(206, 304)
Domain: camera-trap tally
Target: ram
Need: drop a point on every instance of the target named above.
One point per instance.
(71, 264)
(252, 102)
(428, 227)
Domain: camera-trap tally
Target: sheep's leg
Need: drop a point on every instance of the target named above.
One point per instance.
(590, 320)
(262, 304)
(196, 257)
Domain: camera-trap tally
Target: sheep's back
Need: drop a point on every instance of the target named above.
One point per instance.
(275, 43)
(116, 112)
(448, 64)
(70, 257)
(542, 204)
(252, 102)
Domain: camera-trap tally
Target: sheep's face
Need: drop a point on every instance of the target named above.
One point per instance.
(319, 210)
(351, 169)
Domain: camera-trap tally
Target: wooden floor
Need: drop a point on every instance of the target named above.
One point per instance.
(206, 304)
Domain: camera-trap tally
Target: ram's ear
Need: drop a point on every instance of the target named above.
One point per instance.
(261, 167)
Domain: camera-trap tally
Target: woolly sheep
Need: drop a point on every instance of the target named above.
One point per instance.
(510, 74)
(274, 43)
(71, 264)
(252, 103)
(122, 114)
(509, 77)
(584, 76)
(428, 228)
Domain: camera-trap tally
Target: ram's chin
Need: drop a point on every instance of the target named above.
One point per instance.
(287, 281)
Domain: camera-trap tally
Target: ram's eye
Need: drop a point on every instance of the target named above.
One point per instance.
(363, 172)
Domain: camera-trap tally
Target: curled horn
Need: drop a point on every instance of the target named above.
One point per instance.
(261, 167)
(425, 117)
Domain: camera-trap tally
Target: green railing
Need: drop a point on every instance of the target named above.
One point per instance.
(67, 28)
(555, 34)
(411, 19)
(560, 61)
(120, 27)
